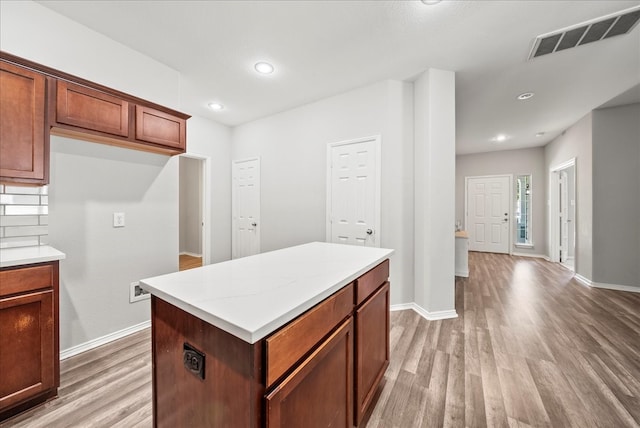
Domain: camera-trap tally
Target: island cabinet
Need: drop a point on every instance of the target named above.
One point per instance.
(24, 137)
(217, 366)
(29, 344)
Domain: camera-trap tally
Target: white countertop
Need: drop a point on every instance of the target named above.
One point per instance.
(28, 255)
(253, 296)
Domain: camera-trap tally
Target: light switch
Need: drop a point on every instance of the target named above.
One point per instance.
(118, 219)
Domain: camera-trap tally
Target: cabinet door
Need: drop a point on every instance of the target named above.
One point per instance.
(154, 126)
(23, 138)
(90, 109)
(26, 347)
(372, 348)
(318, 393)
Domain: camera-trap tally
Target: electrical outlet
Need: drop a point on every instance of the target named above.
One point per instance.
(137, 293)
(118, 219)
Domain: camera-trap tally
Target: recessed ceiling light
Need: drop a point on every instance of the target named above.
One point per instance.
(430, 2)
(500, 138)
(525, 96)
(264, 67)
(216, 106)
(539, 134)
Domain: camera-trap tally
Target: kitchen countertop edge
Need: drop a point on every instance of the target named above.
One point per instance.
(10, 257)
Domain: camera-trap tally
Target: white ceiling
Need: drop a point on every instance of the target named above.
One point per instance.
(323, 48)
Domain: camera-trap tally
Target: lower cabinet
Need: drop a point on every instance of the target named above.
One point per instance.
(372, 348)
(29, 353)
(319, 391)
(321, 369)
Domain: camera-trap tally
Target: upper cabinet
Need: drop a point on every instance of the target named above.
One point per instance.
(154, 126)
(37, 100)
(24, 137)
(90, 109)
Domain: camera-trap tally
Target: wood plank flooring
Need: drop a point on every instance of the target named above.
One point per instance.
(186, 261)
(530, 347)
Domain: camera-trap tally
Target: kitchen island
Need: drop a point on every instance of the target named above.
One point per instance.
(294, 337)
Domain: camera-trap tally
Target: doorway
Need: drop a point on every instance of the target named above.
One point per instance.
(194, 211)
(353, 192)
(562, 214)
(488, 213)
(245, 207)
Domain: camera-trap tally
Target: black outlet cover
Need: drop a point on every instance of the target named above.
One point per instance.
(193, 360)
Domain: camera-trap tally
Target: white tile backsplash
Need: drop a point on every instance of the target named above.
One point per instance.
(23, 216)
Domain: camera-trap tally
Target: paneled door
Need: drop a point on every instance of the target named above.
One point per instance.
(489, 213)
(246, 207)
(353, 192)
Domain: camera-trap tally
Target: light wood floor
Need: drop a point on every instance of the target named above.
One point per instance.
(531, 347)
(189, 262)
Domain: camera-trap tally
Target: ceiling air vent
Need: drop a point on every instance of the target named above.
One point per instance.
(591, 31)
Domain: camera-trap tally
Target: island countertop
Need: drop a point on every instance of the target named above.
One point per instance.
(253, 296)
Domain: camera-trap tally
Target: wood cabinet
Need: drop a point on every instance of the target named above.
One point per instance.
(154, 126)
(90, 109)
(321, 369)
(24, 137)
(319, 391)
(36, 101)
(29, 343)
(372, 348)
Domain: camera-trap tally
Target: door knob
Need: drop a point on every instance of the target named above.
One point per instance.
(369, 232)
(254, 224)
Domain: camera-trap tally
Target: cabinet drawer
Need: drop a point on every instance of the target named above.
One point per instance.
(90, 109)
(285, 347)
(154, 126)
(13, 281)
(370, 281)
(319, 392)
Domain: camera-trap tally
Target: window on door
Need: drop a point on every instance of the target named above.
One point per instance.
(523, 211)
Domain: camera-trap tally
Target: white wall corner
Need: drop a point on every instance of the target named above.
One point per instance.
(429, 316)
(583, 280)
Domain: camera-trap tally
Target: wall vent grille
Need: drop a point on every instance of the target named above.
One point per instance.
(587, 32)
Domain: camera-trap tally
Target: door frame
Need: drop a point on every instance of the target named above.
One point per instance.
(205, 198)
(554, 209)
(377, 143)
(234, 243)
(510, 226)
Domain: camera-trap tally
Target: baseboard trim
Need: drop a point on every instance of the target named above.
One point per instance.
(186, 253)
(94, 343)
(582, 280)
(537, 256)
(617, 287)
(464, 274)
(431, 316)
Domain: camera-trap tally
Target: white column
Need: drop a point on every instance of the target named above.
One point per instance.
(434, 175)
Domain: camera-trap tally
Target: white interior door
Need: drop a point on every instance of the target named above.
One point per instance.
(353, 194)
(564, 216)
(489, 213)
(246, 207)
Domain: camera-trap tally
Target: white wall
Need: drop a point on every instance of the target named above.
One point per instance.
(90, 181)
(292, 146)
(434, 188)
(191, 203)
(505, 162)
(616, 195)
(213, 141)
(577, 143)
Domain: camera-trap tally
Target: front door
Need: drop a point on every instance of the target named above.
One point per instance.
(353, 204)
(488, 213)
(246, 207)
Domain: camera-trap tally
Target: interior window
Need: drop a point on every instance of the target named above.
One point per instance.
(523, 210)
